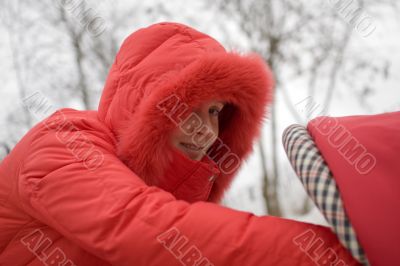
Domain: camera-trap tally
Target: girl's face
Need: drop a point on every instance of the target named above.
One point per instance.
(195, 135)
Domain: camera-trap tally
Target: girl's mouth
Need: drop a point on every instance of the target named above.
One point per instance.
(191, 147)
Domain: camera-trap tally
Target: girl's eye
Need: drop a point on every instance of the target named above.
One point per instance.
(214, 111)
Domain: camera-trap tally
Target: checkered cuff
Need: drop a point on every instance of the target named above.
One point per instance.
(317, 179)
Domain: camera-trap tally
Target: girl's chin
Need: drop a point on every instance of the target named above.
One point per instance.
(192, 154)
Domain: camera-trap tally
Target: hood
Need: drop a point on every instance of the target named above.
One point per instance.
(362, 153)
(171, 62)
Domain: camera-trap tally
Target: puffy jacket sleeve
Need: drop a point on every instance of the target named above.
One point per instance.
(110, 212)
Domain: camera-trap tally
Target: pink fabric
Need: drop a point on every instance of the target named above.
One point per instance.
(363, 155)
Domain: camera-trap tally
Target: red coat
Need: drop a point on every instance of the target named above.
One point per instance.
(103, 187)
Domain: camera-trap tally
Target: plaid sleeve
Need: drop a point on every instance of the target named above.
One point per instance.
(320, 185)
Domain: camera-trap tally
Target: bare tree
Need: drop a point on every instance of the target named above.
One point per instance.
(297, 39)
(10, 20)
(61, 48)
(86, 47)
(5, 150)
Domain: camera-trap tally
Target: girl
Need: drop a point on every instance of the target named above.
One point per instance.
(135, 182)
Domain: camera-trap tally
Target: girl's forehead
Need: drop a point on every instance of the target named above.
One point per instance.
(212, 102)
(220, 102)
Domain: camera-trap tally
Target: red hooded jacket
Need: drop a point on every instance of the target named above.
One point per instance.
(104, 187)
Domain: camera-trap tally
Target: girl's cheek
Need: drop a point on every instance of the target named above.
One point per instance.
(216, 127)
(176, 136)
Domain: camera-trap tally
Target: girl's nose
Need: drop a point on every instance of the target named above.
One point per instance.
(206, 132)
(206, 125)
(203, 129)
